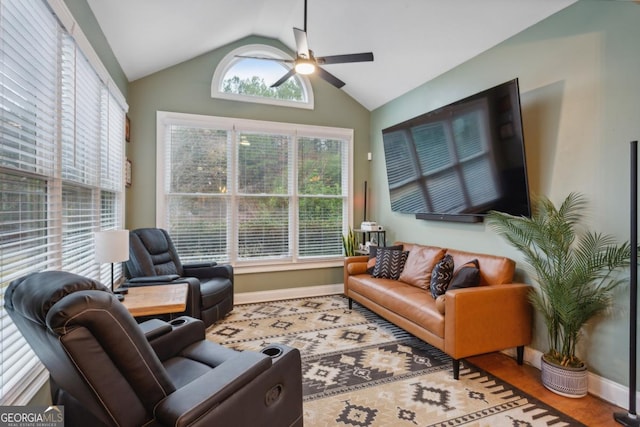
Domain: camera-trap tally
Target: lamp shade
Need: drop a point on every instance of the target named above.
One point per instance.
(112, 246)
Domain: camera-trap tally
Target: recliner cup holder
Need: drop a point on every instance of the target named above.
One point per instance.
(178, 322)
(272, 351)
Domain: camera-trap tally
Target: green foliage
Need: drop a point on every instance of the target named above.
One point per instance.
(349, 242)
(256, 86)
(574, 269)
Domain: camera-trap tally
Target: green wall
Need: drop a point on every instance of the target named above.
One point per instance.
(186, 88)
(579, 73)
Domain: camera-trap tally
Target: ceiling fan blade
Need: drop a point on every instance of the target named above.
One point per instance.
(342, 59)
(284, 78)
(266, 58)
(302, 47)
(330, 77)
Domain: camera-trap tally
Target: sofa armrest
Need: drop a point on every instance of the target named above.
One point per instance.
(354, 265)
(486, 319)
(201, 396)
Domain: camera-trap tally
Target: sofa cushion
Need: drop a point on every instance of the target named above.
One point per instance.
(405, 300)
(373, 250)
(441, 276)
(467, 276)
(389, 263)
(420, 262)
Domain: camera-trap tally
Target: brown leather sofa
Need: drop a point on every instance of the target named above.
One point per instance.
(493, 316)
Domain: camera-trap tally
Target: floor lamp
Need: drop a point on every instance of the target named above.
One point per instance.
(112, 246)
(630, 418)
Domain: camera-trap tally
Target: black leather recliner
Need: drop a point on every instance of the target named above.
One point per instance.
(153, 260)
(107, 370)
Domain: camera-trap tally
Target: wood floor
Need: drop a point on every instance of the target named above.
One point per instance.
(589, 410)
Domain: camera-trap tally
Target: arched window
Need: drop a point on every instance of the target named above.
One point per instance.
(249, 80)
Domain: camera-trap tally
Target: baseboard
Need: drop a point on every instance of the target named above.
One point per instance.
(279, 294)
(605, 389)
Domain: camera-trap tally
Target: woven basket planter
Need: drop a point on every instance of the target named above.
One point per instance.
(568, 382)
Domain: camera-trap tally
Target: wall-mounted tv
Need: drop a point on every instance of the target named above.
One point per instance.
(462, 160)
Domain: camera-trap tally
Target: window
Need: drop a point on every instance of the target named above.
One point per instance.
(61, 157)
(247, 79)
(253, 192)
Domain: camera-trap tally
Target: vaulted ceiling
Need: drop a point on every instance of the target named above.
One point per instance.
(413, 41)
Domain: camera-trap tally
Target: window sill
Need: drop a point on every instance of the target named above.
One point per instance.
(286, 266)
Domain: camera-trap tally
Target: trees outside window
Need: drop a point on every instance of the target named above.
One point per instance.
(253, 192)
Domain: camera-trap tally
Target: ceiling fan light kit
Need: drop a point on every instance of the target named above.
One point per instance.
(305, 67)
(305, 63)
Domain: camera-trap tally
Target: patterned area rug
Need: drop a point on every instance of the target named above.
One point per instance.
(360, 370)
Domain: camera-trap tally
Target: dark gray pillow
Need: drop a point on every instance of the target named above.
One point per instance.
(467, 276)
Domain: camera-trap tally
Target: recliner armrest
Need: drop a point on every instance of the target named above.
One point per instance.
(184, 332)
(200, 264)
(203, 395)
(166, 278)
(154, 328)
(205, 272)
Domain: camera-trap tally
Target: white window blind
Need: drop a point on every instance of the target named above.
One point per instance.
(61, 162)
(196, 180)
(263, 187)
(253, 192)
(322, 184)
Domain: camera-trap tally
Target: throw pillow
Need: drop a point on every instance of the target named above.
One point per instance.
(441, 276)
(389, 263)
(467, 276)
(419, 265)
(373, 250)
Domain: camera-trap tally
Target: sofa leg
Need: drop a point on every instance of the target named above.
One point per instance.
(520, 354)
(456, 368)
(350, 304)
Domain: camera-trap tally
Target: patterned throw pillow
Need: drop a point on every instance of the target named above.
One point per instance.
(373, 250)
(467, 276)
(389, 263)
(441, 276)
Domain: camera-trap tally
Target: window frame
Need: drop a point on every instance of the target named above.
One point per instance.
(230, 60)
(295, 262)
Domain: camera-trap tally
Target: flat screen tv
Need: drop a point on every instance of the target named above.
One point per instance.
(462, 160)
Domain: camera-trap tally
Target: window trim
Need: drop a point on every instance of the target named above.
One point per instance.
(258, 49)
(164, 118)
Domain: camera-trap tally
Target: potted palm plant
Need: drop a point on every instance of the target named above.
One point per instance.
(576, 271)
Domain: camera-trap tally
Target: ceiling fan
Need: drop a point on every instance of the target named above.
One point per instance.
(306, 63)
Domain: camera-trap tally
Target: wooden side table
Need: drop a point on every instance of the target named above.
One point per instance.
(156, 299)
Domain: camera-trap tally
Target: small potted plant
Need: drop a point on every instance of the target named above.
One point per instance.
(349, 243)
(576, 271)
